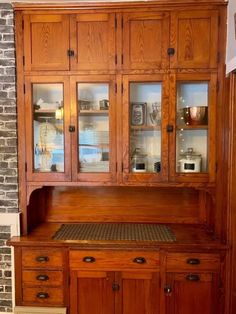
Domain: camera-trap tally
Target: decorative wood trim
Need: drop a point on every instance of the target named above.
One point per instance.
(30, 190)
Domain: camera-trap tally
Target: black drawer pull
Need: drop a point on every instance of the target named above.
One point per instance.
(42, 259)
(42, 295)
(115, 286)
(192, 277)
(42, 277)
(167, 289)
(193, 261)
(139, 260)
(171, 51)
(89, 259)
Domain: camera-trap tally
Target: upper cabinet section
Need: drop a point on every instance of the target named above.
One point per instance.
(120, 41)
(145, 40)
(194, 37)
(92, 41)
(69, 42)
(46, 42)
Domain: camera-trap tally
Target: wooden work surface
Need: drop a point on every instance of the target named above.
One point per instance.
(187, 237)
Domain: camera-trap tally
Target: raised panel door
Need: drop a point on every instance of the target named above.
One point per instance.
(194, 36)
(93, 41)
(91, 292)
(46, 42)
(139, 293)
(191, 293)
(145, 40)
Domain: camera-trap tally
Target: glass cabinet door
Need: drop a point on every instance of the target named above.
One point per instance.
(194, 141)
(46, 105)
(145, 112)
(95, 151)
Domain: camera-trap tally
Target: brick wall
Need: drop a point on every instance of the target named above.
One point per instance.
(8, 148)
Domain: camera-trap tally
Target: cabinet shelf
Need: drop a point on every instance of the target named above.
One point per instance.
(146, 127)
(93, 112)
(192, 127)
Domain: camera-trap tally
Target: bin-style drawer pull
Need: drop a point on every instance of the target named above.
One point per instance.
(42, 259)
(42, 295)
(193, 261)
(193, 277)
(139, 260)
(89, 259)
(42, 277)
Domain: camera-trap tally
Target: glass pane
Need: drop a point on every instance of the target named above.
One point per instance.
(48, 127)
(145, 127)
(93, 108)
(192, 127)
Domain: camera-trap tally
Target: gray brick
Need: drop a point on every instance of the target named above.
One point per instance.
(6, 62)
(12, 195)
(7, 134)
(13, 210)
(10, 109)
(5, 229)
(3, 165)
(8, 187)
(11, 142)
(12, 94)
(6, 29)
(6, 6)
(3, 21)
(10, 179)
(8, 172)
(11, 125)
(10, 21)
(7, 203)
(4, 235)
(8, 37)
(8, 78)
(10, 71)
(4, 250)
(5, 45)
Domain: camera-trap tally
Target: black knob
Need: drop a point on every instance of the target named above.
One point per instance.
(42, 259)
(70, 53)
(193, 261)
(193, 277)
(42, 295)
(89, 259)
(139, 260)
(171, 51)
(71, 128)
(115, 286)
(42, 277)
(167, 289)
(169, 128)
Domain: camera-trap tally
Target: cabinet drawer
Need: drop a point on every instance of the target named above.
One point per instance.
(42, 258)
(192, 262)
(42, 295)
(42, 278)
(114, 260)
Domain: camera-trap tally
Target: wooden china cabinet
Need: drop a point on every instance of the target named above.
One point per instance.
(121, 124)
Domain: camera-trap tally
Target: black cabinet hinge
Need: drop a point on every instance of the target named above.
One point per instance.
(122, 88)
(122, 167)
(218, 57)
(116, 166)
(115, 59)
(122, 59)
(217, 86)
(23, 24)
(23, 60)
(216, 167)
(26, 167)
(116, 88)
(115, 22)
(24, 88)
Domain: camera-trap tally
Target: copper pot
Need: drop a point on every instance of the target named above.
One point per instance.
(197, 115)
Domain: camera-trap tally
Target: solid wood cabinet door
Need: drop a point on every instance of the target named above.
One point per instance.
(46, 42)
(91, 292)
(191, 293)
(93, 41)
(194, 37)
(145, 40)
(139, 293)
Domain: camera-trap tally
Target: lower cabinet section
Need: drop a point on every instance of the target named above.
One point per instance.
(39, 310)
(191, 293)
(124, 292)
(117, 281)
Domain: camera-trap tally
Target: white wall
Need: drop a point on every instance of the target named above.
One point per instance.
(231, 38)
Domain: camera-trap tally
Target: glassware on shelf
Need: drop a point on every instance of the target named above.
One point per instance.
(190, 161)
(155, 114)
(139, 161)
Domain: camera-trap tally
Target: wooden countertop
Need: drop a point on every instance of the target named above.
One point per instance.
(188, 237)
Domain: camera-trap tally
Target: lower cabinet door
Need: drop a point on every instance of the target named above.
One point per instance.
(139, 293)
(191, 293)
(91, 292)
